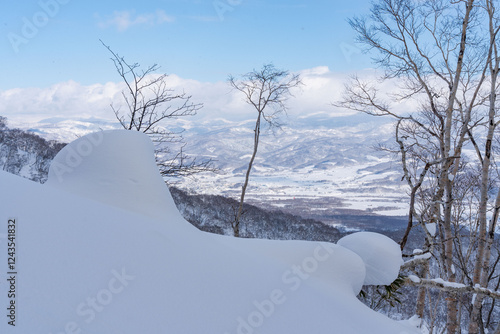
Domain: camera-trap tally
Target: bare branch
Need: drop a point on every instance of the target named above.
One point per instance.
(150, 105)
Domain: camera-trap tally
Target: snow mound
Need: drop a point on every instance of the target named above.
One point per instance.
(381, 255)
(102, 249)
(115, 167)
(331, 266)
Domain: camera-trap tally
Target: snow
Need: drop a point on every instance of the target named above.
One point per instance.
(424, 256)
(101, 248)
(415, 321)
(418, 254)
(431, 228)
(447, 283)
(92, 167)
(414, 278)
(381, 256)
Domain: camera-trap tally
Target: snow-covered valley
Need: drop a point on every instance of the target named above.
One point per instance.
(315, 158)
(101, 248)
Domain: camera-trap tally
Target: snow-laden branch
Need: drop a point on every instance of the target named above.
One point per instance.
(453, 287)
(417, 259)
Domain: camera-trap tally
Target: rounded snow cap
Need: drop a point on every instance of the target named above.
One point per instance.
(381, 255)
(115, 167)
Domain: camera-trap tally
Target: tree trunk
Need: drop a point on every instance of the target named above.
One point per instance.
(452, 302)
(484, 242)
(422, 291)
(236, 224)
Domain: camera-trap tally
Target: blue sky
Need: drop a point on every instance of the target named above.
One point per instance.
(50, 41)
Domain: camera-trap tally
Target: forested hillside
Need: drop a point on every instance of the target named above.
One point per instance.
(215, 213)
(26, 154)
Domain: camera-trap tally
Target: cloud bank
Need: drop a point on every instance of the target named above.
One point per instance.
(71, 100)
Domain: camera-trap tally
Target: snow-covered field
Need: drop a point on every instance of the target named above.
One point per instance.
(101, 248)
(336, 160)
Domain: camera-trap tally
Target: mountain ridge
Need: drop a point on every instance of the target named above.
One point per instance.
(312, 155)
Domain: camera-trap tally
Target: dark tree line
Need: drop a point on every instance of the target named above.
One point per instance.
(213, 214)
(25, 153)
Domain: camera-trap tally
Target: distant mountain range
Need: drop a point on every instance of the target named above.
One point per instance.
(332, 158)
(314, 158)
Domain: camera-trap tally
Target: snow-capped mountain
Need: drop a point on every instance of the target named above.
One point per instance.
(312, 156)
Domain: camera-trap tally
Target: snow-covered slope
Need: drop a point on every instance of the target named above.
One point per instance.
(101, 249)
(329, 158)
(315, 155)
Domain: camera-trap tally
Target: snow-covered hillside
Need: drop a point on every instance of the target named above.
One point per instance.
(313, 156)
(316, 157)
(102, 249)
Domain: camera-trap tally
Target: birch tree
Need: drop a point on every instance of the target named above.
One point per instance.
(485, 240)
(442, 57)
(267, 91)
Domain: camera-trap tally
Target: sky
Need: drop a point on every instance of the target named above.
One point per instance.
(50, 41)
(53, 63)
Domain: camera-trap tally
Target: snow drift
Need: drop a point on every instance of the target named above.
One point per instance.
(101, 248)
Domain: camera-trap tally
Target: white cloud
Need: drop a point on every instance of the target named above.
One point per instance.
(66, 99)
(71, 100)
(123, 20)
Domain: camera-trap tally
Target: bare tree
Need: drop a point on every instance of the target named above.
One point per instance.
(149, 105)
(442, 55)
(267, 91)
(481, 275)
